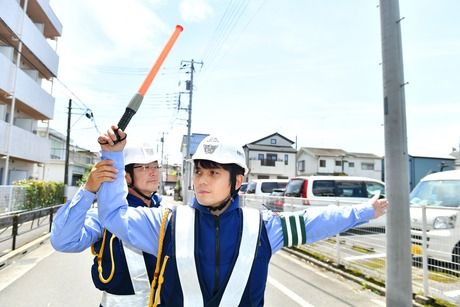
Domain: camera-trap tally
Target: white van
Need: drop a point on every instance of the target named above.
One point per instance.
(333, 190)
(265, 186)
(326, 190)
(438, 195)
(258, 191)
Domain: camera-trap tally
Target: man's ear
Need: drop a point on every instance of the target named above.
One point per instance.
(128, 178)
(239, 181)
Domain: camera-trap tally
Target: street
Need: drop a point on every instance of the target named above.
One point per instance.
(48, 278)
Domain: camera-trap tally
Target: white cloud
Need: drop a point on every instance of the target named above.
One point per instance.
(195, 10)
(126, 28)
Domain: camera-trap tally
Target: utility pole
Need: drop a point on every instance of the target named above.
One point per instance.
(67, 145)
(398, 261)
(187, 163)
(163, 174)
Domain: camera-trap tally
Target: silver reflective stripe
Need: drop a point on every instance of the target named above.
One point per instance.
(185, 256)
(185, 246)
(289, 230)
(112, 300)
(138, 273)
(240, 275)
(139, 280)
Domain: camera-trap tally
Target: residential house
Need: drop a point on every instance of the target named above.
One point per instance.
(170, 175)
(331, 161)
(28, 64)
(456, 155)
(422, 165)
(271, 157)
(53, 169)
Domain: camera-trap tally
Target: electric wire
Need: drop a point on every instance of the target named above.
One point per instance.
(228, 21)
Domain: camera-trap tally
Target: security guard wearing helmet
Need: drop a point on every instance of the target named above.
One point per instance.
(119, 270)
(215, 252)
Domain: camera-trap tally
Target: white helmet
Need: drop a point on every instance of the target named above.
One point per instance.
(212, 149)
(140, 155)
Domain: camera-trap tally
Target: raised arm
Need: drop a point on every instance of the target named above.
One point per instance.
(76, 226)
(137, 226)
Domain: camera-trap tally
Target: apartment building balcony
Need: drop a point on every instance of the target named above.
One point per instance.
(24, 144)
(30, 96)
(33, 33)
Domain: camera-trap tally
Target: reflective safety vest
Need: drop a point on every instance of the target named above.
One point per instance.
(125, 270)
(185, 257)
(139, 279)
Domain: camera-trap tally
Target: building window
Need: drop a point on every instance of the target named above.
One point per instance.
(338, 163)
(260, 157)
(286, 159)
(367, 166)
(301, 165)
(351, 164)
(57, 150)
(322, 163)
(273, 141)
(271, 160)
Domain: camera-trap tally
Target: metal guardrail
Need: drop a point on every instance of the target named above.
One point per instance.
(364, 248)
(12, 223)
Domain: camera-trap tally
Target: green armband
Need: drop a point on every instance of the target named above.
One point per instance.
(293, 225)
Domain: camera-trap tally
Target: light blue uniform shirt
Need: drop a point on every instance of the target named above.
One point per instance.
(140, 226)
(76, 225)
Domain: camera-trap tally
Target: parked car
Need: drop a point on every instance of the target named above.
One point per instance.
(243, 188)
(265, 186)
(333, 190)
(258, 191)
(275, 201)
(439, 193)
(169, 191)
(324, 190)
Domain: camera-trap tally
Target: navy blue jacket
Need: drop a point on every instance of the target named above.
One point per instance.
(223, 235)
(121, 282)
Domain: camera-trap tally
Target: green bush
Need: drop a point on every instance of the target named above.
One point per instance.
(41, 194)
(85, 176)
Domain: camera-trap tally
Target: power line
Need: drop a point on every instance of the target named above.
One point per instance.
(225, 27)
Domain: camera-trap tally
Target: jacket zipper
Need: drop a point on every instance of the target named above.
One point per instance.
(217, 260)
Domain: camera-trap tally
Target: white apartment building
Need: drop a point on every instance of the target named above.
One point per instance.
(28, 64)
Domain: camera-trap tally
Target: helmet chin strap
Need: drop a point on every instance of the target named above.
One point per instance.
(132, 186)
(222, 205)
(146, 197)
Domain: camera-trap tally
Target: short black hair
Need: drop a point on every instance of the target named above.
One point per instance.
(231, 167)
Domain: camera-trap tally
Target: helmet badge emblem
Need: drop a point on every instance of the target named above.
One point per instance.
(211, 145)
(209, 149)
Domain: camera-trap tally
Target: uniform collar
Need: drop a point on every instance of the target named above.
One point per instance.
(135, 201)
(233, 206)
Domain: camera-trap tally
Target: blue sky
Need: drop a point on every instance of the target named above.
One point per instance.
(309, 70)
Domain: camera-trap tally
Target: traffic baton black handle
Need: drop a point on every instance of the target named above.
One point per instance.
(136, 101)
